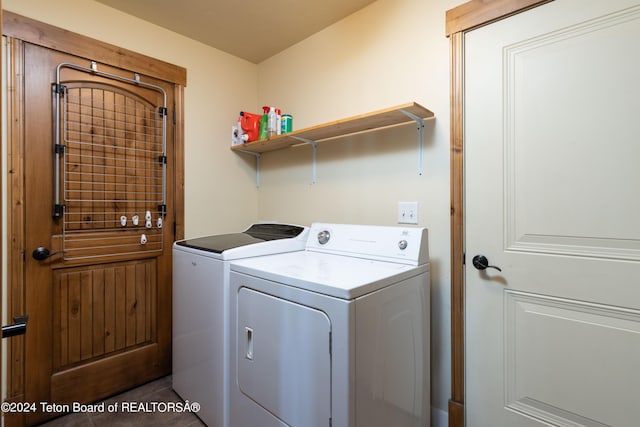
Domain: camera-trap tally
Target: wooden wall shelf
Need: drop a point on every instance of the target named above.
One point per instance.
(364, 122)
(405, 113)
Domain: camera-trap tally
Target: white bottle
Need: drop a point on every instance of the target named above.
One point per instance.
(238, 136)
(271, 127)
(278, 121)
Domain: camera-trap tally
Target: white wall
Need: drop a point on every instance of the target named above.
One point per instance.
(392, 52)
(220, 195)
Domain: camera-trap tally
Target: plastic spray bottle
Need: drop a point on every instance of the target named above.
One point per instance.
(264, 123)
(272, 121)
(278, 121)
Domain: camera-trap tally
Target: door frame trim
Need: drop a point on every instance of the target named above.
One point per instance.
(19, 30)
(459, 20)
(55, 38)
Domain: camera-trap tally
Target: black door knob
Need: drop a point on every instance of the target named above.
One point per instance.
(41, 253)
(482, 263)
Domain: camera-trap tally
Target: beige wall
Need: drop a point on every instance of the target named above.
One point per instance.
(220, 194)
(391, 52)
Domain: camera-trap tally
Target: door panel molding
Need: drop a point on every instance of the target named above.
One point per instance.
(531, 199)
(106, 309)
(530, 363)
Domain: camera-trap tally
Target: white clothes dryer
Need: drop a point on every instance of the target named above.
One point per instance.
(335, 335)
(201, 310)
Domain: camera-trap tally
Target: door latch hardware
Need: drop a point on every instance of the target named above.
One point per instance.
(18, 328)
(41, 253)
(482, 263)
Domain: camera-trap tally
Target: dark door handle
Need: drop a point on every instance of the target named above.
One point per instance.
(42, 253)
(18, 328)
(482, 263)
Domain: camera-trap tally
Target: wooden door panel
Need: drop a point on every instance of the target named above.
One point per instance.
(30, 73)
(120, 372)
(101, 244)
(111, 172)
(100, 311)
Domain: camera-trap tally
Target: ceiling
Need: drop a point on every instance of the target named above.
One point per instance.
(251, 29)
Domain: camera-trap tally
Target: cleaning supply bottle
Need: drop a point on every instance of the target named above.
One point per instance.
(272, 121)
(264, 123)
(278, 121)
(287, 123)
(250, 126)
(241, 137)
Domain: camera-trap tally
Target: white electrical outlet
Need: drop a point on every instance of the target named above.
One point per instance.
(407, 212)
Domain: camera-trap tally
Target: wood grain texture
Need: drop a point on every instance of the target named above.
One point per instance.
(178, 163)
(112, 141)
(125, 370)
(101, 310)
(141, 316)
(456, 414)
(360, 123)
(476, 13)
(15, 217)
(457, 217)
(51, 37)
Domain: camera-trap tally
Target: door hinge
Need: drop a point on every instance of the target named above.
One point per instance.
(18, 328)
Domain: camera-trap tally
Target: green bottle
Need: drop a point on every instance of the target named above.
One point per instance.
(264, 123)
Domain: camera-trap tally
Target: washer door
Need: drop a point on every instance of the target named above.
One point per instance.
(283, 358)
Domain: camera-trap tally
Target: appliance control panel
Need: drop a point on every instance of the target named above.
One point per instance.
(408, 245)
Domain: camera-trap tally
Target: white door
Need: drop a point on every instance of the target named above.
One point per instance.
(552, 187)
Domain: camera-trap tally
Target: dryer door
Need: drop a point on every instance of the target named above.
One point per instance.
(283, 359)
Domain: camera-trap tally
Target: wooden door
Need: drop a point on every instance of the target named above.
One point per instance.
(100, 306)
(551, 187)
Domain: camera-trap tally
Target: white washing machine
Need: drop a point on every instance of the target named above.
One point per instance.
(201, 310)
(335, 335)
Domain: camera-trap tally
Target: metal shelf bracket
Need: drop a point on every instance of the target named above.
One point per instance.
(314, 146)
(257, 156)
(420, 122)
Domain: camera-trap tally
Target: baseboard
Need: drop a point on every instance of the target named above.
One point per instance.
(439, 418)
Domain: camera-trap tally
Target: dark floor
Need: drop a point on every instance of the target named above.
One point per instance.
(157, 393)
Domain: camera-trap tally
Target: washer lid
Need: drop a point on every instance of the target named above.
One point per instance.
(257, 233)
(335, 275)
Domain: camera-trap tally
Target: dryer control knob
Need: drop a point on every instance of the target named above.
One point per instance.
(323, 237)
(402, 244)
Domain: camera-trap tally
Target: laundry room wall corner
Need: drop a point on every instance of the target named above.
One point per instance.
(389, 53)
